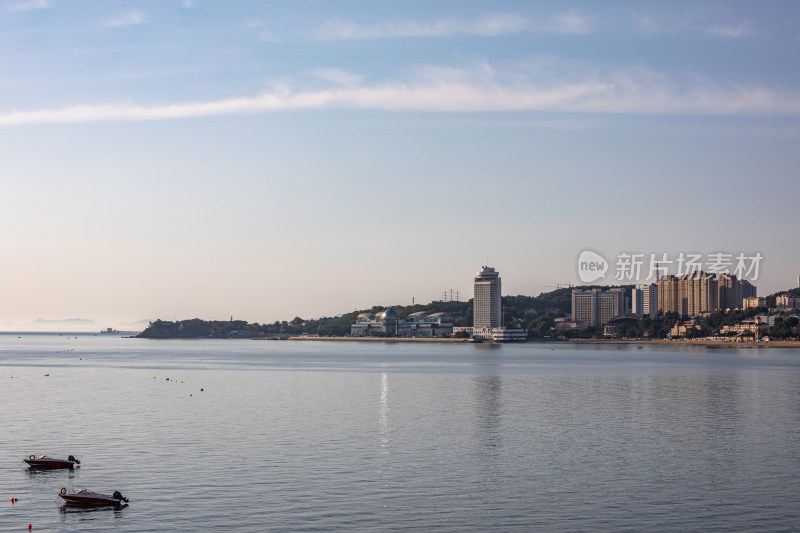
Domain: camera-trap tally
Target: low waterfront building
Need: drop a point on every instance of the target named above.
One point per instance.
(630, 321)
(509, 334)
(432, 325)
(565, 323)
(755, 327)
(390, 324)
(680, 329)
(493, 334)
(481, 333)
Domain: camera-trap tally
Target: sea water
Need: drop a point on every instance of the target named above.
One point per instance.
(240, 435)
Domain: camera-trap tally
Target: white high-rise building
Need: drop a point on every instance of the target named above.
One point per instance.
(644, 300)
(487, 307)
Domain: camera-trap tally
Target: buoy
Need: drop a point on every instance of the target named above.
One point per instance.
(201, 390)
(30, 526)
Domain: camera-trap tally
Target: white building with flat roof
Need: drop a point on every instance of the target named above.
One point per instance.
(487, 309)
(487, 305)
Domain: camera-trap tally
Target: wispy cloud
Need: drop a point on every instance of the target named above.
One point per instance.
(571, 22)
(734, 32)
(477, 90)
(673, 26)
(126, 18)
(487, 25)
(265, 36)
(188, 4)
(29, 5)
(338, 77)
(499, 24)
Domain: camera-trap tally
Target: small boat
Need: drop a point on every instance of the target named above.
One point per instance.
(87, 497)
(48, 462)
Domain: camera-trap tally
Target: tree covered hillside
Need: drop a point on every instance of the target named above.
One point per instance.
(327, 326)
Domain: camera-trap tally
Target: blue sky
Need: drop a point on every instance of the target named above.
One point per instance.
(272, 159)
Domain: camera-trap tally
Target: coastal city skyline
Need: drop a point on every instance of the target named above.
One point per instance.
(196, 159)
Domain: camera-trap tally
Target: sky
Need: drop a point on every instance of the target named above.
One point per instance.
(266, 160)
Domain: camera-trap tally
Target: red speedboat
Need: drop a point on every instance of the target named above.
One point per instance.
(87, 497)
(48, 462)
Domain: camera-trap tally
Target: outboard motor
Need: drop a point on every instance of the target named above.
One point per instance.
(118, 496)
(71, 458)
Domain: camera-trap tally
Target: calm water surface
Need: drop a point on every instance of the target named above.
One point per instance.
(324, 436)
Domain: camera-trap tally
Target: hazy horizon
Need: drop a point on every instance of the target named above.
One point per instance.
(83, 325)
(194, 159)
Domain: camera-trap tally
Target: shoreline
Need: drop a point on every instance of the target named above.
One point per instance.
(711, 344)
(691, 342)
(665, 342)
(383, 339)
